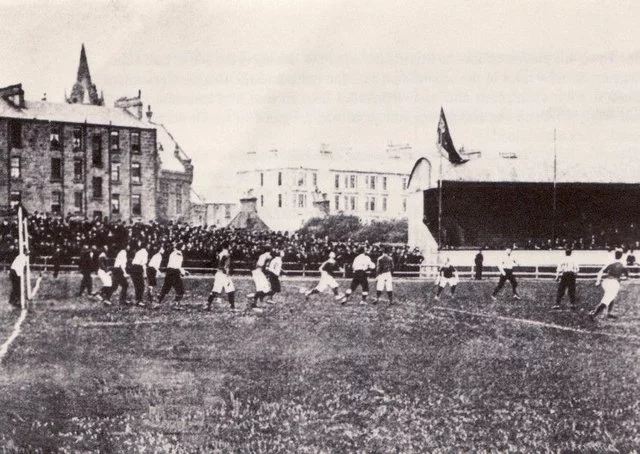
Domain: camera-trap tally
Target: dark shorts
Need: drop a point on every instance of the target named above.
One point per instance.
(152, 280)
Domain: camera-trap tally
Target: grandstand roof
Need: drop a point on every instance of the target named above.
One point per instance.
(526, 170)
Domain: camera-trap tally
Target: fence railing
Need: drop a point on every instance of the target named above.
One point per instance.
(424, 271)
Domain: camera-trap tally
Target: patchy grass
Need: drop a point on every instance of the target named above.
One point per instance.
(319, 377)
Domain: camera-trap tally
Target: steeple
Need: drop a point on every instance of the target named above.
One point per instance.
(84, 91)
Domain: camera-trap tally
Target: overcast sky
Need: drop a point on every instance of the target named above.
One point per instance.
(229, 77)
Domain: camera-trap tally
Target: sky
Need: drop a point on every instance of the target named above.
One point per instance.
(232, 77)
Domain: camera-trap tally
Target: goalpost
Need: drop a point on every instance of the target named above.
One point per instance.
(23, 248)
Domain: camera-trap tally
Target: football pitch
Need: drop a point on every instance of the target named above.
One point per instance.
(463, 375)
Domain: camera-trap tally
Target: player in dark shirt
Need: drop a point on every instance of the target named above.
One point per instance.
(610, 276)
(327, 272)
(446, 275)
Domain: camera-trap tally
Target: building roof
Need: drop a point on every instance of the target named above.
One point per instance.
(377, 161)
(71, 113)
(170, 152)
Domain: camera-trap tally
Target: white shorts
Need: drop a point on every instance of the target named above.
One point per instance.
(105, 278)
(261, 281)
(385, 282)
(222, 282)
(326, 280)
(610, 287)
(443, 281)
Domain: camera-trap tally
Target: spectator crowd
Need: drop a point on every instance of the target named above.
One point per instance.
(65, 238)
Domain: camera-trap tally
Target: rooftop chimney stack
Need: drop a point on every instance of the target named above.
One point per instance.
(149, 112)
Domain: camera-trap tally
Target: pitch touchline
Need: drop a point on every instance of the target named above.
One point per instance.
(536, 323)
(16, 331)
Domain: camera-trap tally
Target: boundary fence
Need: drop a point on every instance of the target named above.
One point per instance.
(414, 271)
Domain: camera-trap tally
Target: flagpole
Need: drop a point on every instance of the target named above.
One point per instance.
(555, 182)
(440, 196)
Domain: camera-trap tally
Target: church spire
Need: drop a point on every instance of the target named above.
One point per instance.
(84, 91)
(83, 68)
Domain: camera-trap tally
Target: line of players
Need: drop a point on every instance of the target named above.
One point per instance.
(608, 277)
(268, 269)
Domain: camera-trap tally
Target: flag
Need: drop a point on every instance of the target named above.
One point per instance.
(444, 140)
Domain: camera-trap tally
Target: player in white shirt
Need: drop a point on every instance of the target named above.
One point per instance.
(222, 281)
(566, 274)
(119, 274)
(105, 277)
(506, 267)
(273, 272)
(153, 272)
(139, 272)
(260, 279)
(361, 266)
(174, 275)
(16, 273)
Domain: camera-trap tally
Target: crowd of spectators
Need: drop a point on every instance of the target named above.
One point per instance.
(199, 244)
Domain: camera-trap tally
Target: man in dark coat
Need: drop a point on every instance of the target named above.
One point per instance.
(479, 260)
(86, 265)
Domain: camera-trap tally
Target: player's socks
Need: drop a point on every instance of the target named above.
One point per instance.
(390, 297)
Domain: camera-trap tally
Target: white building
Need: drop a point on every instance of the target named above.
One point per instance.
(292, 188)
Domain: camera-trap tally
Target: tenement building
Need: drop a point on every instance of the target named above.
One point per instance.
(290, 188)
(82, 158)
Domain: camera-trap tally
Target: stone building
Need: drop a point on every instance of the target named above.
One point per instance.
(291, 188)
(82, 158)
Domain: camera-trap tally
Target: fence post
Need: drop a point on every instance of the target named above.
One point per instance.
(537, 276)
(304, 268)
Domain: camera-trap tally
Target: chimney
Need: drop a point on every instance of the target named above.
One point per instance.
(149, 113)
(131, 105)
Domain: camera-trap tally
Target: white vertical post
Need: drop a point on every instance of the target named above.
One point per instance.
(25, 232)
(20, 251)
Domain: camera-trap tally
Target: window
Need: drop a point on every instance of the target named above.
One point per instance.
(77, 169)
(15, 167)
(346, 181)
(337, 181)
(135, 142)
(178, 199)
(337, 202)
(14, 199)
(114, 141)
(96, 184)
(77, 201)
(15, 134)
(77, 139)
(97, 214)
(261, 200)
(136, 173)
(353, 181)
(301, 180)
(97, 151)
(404, 183)
(56, 169)
(115, 172)
(136, 204)
(261, 179)
(56, 202)
(314, 178)
(279, 178)
(372, 182)
(346, 203)
(384, 183)
(115, 203)
(384, 204)
(227, 212)
(302, 200)
(404, 204)
(55, 137)
(279, 200)
(372, 203)
(178, 203)
(353, 201)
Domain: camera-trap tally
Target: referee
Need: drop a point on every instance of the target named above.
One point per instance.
(566, 273)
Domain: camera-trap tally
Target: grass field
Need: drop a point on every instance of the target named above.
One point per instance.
(420, 376)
